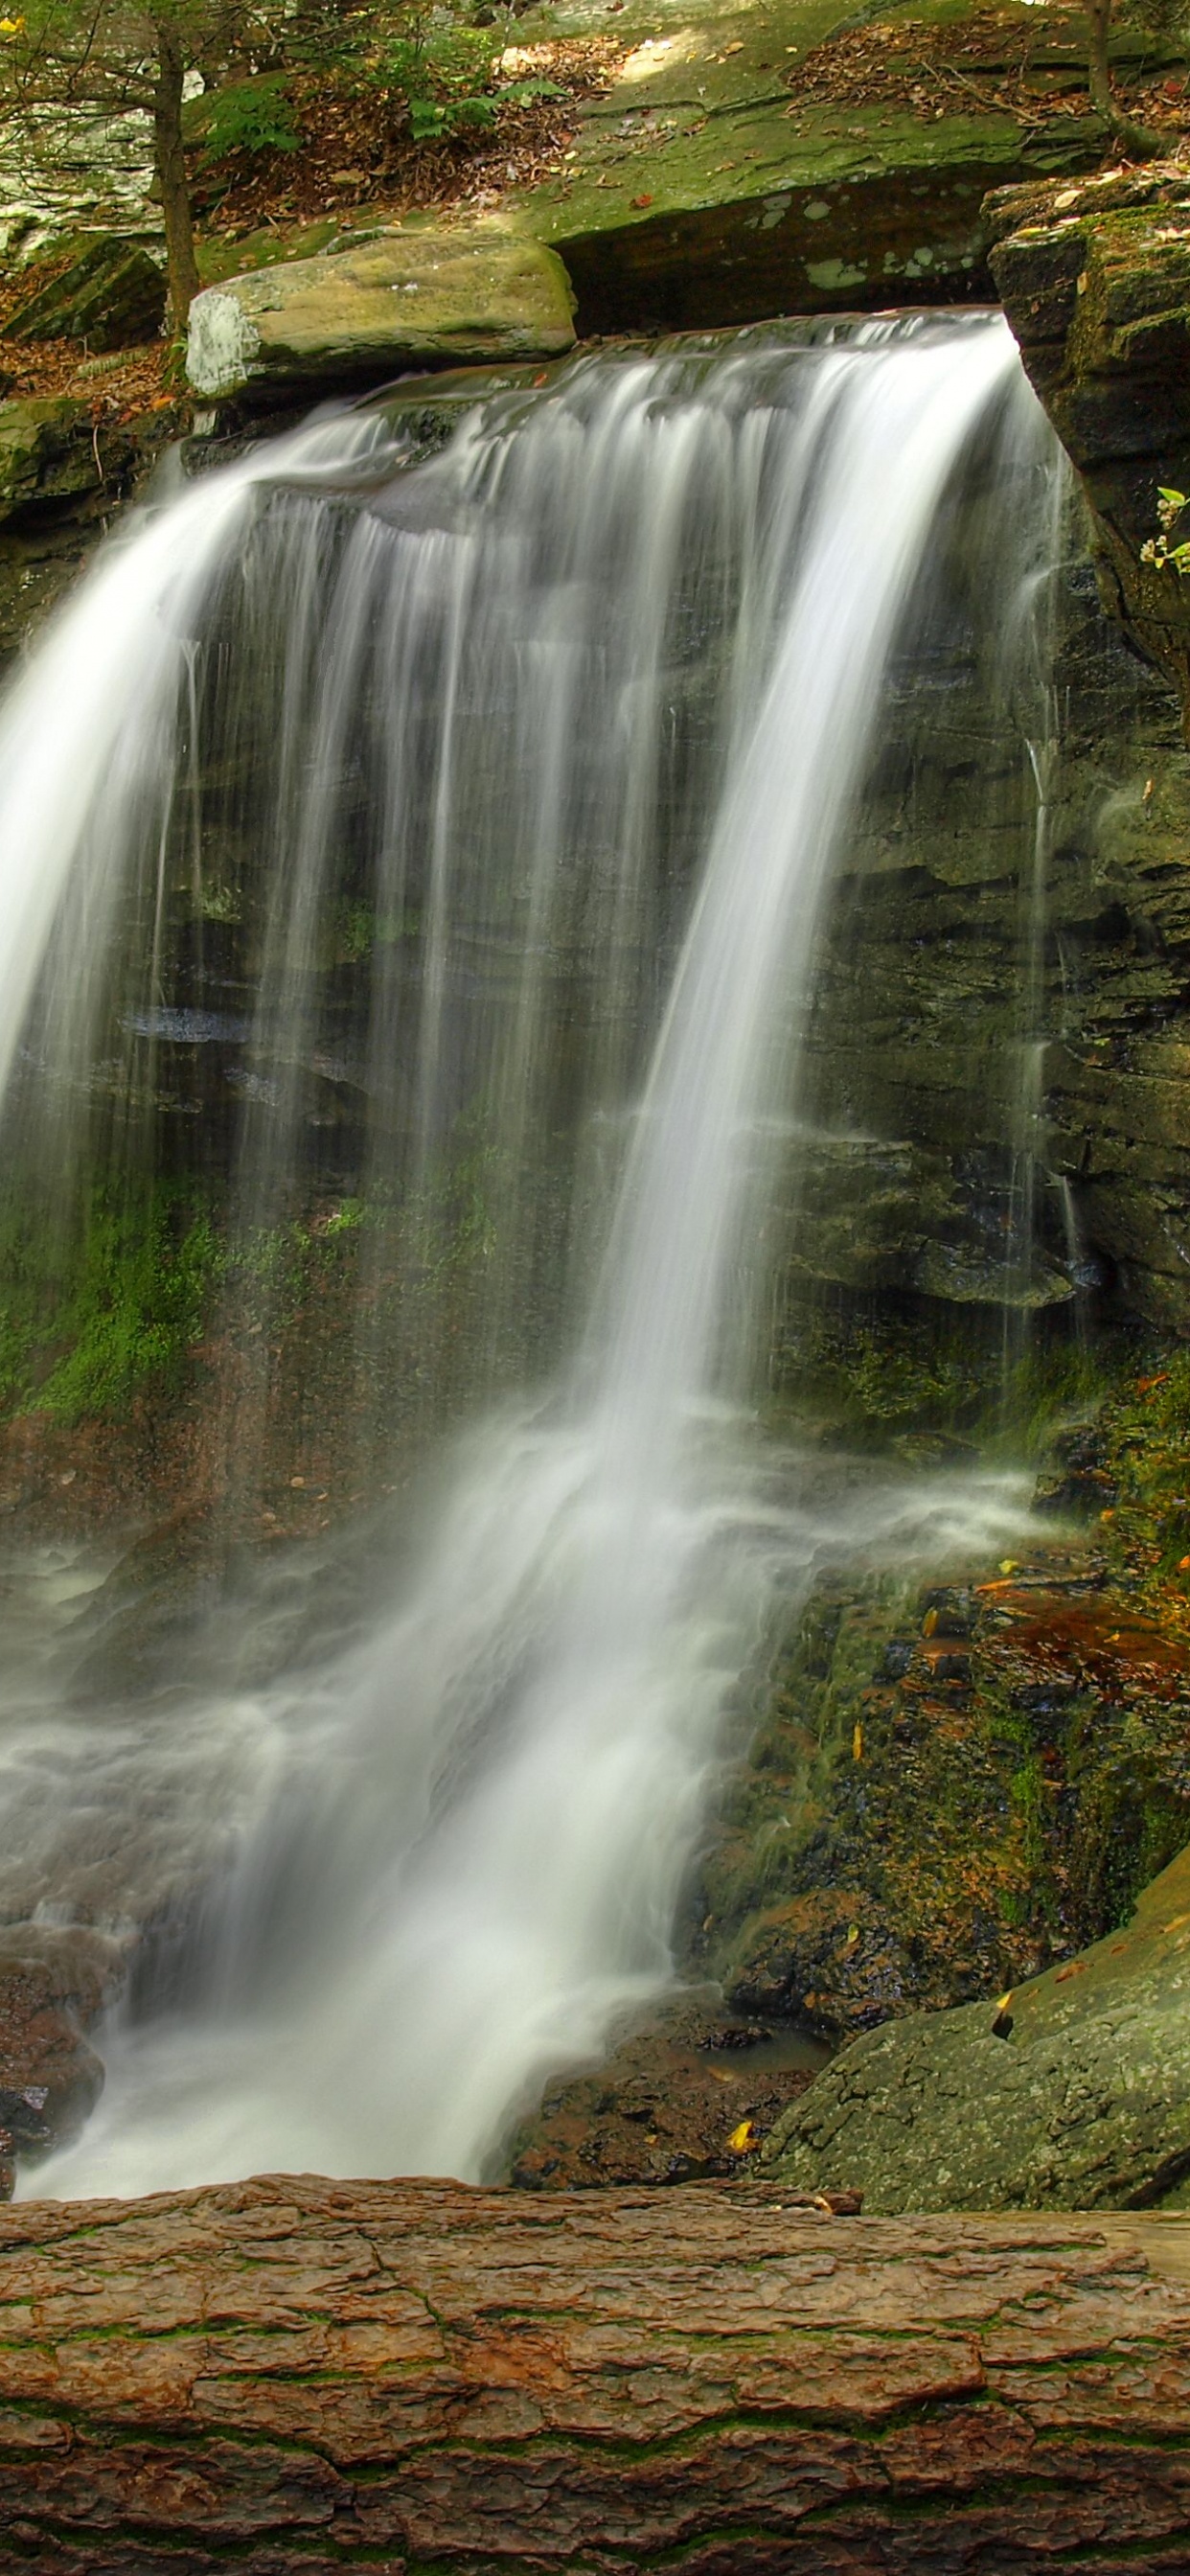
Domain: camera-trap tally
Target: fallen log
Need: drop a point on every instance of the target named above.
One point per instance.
(417, 2378)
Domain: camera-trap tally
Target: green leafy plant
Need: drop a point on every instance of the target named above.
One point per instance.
(249, 116)
(1158, 550)
(445, 74)
(525, 93)
(84, 1329)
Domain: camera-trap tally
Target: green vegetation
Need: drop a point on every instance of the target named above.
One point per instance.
(433, 70)
(255, 115)
(84, 1330)
(107, 55)
(1170, 506)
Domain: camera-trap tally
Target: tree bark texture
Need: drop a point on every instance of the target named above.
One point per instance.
(424, 2380)
(170, 163)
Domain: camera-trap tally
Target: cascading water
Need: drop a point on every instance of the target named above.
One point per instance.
(588, 699)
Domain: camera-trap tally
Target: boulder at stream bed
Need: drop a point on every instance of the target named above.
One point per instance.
(1072, 2093)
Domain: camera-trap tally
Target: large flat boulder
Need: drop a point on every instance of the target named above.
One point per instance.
(736, 170)
(408, 298)
(1073, 2093)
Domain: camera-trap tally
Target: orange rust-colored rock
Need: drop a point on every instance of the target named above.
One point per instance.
(416, 2377)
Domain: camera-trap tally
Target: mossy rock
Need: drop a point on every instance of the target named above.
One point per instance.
(112, 296)
(405, 299)
(1096, 284)
(1072, 2093)
(45, 453)
(699, 192)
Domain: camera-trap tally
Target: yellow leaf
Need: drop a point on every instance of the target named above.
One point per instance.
(857, 1743)
(743, 2138)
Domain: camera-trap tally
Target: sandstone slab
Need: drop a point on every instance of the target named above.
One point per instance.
(706, 188)
(399, 301)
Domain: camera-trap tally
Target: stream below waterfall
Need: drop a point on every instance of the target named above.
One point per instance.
(577, 715)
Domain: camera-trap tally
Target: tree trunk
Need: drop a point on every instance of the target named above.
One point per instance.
(170, 162)
(412, 2376)
(1136, 139)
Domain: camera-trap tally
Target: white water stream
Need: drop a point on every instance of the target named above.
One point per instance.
(462, 1837)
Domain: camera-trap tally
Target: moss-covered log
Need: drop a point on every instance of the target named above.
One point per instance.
(415, 2377)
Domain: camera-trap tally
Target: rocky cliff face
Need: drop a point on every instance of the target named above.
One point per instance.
(1096, 284)
(1001, 1015)
(63, 471)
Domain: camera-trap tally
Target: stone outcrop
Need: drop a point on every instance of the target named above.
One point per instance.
(918, 1038)
(954, 1784)
(54, 1982)
(45, 453)
(110, 294)
(1071, 2093)
(66, 167)
(703, 189)
(309, 2375)
(401, 300)
(1096, 284)
(62, 471)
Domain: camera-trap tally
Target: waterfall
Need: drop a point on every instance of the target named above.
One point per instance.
(586, 702)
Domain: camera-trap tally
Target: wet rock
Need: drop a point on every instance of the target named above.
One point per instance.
(832, 1957)
(1079, 2098)
(112, 296)
(61, 474)
(952, 1787)
(401, 300)
(689, 2093)
(45, 453)
(915, 1038)
(1095, 281)
(53, 1985)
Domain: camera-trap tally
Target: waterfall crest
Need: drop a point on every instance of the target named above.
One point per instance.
(588, 700)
